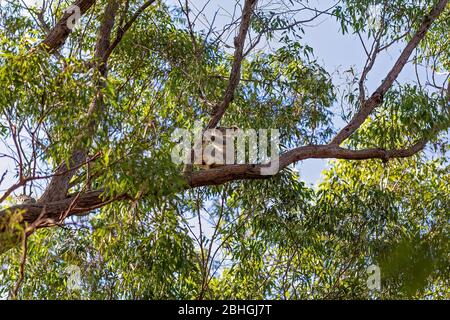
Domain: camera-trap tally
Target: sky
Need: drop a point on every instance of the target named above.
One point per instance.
(333, 50)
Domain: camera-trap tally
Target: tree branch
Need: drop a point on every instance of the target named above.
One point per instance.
(82, 203)
(60, 32)
(377, 97)
(59, 185)
(123, 29)
(239, 43)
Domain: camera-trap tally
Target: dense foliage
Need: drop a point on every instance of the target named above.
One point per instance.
(250, 239)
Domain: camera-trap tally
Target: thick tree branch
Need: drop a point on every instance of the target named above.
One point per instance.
(377, 97)
(61, 31)
(235, 76)
(55, 205)
(104, 34)
(82, 203)
(59, 185)
(239, 172)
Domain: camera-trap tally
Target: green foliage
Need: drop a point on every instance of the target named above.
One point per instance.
(275, 238)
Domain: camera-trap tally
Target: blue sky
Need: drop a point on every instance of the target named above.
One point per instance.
(333, 50)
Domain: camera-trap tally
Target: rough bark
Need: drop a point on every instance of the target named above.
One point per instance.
(235, 75)
(60, 32)
(55, 212)
(56, 205)
(59, 185)
(377, 97)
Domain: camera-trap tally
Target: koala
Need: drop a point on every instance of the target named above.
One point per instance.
(214, 147)
(24, 199)
(213, 150)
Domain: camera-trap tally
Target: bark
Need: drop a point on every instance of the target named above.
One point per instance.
(60, 32)
(59, 185)
(52, 213)
(235, 75)
(56, 205)
(377, 97)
